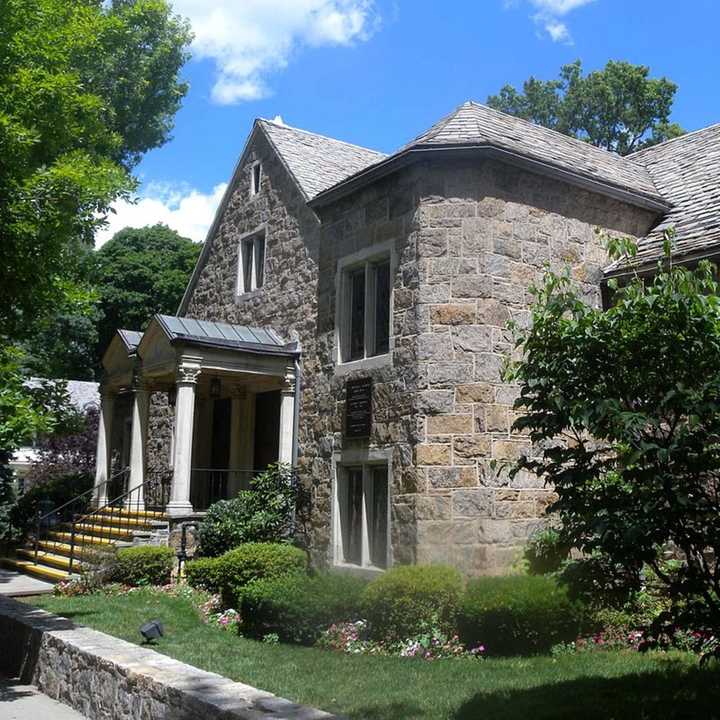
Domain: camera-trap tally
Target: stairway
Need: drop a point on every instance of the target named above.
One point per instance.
(103, 528)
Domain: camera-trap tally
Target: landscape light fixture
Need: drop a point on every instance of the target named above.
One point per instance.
(152, 630)
(215, 387)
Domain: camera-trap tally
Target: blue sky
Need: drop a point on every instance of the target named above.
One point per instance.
(379, 72)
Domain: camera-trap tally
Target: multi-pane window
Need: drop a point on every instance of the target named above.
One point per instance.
(255, 178)
(365, 327)
(251, 263)
(362, 515)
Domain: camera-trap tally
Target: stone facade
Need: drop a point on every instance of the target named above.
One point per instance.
(468, 238)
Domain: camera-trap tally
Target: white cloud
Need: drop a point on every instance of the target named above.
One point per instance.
(250, 39)
(549, 16)
(182, 208)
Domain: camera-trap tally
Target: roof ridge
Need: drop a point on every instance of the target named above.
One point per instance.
(285, 126)
(664, 143)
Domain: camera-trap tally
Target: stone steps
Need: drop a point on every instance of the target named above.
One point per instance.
(106, 528)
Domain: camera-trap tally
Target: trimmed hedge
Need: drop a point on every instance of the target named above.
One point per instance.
(299, 607)
(144, 565)
(518, 614)
(255, 561)
(402, 602)
(204, 574)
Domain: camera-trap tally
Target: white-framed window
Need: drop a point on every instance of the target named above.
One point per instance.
(365, 305)
(362, 509)
(255, 178)
(251, 262)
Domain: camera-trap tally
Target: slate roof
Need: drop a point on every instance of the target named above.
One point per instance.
(315, 161)
(476, 124)
(687, 172)
(224, 335)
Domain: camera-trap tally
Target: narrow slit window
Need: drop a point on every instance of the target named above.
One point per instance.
(255, 179)
(357, 314)
(251, 263)
(382, 308)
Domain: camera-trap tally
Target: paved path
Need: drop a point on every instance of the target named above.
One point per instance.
(26, 702)
(16, 584)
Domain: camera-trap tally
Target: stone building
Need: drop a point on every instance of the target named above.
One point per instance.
(348, 315)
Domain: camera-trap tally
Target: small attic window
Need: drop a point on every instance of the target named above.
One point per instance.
(255, 177)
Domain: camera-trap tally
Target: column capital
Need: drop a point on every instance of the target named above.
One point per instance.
(288, 386)
(188, 370)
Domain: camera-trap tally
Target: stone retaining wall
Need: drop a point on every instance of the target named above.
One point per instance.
(105, 678)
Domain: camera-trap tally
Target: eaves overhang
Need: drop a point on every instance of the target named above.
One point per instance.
(654, 203)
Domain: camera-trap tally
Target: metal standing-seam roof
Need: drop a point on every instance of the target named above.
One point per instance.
(687, 171)
(131, 338)
(224, 335)
(315, 161)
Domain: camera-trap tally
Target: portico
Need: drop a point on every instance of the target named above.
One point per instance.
(230, 392)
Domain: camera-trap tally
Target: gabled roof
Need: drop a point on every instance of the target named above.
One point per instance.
(131, 339)
(476, 127)
(315, 161)
(209, 333)
(687, 171)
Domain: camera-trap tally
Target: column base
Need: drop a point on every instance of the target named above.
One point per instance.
(179, 508)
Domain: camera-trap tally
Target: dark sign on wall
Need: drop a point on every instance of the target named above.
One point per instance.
(358, 408)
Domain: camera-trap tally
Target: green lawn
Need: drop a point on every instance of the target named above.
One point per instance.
(586, 686)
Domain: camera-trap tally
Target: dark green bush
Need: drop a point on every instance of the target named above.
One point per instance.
(255, 561)
(518, 614)
(144, 565)
(403, 601)
(261, 514)
(545, 552)
(49, 495)
(299, 607)
(204, 574)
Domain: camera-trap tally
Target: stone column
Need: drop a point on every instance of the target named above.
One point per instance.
(239, 462)
(103, 456)
(138, 442)
(287, 417)
(187, 375)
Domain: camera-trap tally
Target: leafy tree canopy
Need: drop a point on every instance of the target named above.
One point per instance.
(619, 108)
(86, 87)
(142, 272)
(623, 407)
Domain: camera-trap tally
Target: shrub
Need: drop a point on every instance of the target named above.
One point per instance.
(48, 495)
(545, 552)
(404, 601)
(255, 561)
(144, 565)
(300, 608)
(204, 574)
(260, 514)
(518, 614)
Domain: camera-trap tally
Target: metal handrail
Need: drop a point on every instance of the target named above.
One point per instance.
(82, 495)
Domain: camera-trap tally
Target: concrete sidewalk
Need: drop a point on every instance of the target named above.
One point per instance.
(22, 702)
(15, 584)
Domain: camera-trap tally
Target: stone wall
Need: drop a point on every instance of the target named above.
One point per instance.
(483, 241)
(105, 678)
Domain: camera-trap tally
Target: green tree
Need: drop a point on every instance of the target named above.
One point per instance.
(86, 87)
(142, 272)
(623, 407)
(619, 108)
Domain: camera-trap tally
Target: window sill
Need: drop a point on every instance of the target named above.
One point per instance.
(371, 571)
(242, 297)
(369, 363)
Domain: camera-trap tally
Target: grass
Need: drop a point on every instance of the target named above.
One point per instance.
(607, 685)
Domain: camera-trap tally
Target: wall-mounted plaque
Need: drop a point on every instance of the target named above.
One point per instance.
(358, 408)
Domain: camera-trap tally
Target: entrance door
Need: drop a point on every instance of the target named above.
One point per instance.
(219, 451)
(267, 429)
